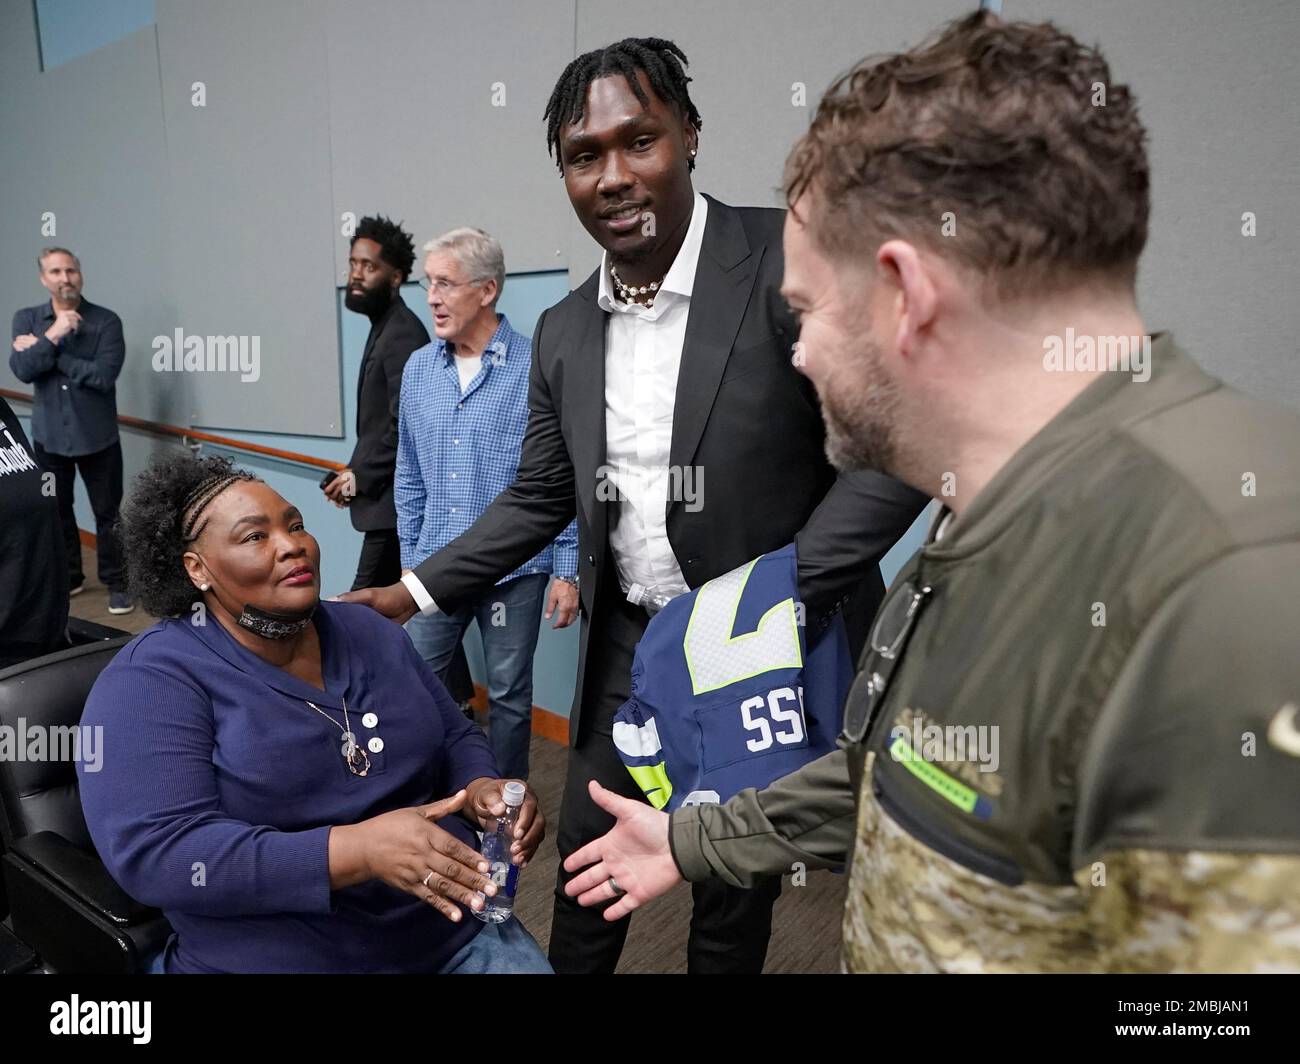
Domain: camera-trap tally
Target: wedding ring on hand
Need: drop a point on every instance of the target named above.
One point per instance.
(618, 891)
(425, 881)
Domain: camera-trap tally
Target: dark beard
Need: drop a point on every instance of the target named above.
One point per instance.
(369, 301)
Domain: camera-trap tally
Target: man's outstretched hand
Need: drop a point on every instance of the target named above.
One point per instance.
(634, 852)
(393, 601)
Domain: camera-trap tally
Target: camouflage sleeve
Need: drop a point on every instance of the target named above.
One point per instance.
(1186, 834)
(807, 816)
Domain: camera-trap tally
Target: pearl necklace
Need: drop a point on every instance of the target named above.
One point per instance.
(628, 293)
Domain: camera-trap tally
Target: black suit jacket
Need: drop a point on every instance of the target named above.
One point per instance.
(744, 417)
(379, 387)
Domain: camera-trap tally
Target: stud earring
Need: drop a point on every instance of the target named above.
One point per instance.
(203, 587)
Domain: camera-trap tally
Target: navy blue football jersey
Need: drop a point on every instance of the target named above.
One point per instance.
(728, 692)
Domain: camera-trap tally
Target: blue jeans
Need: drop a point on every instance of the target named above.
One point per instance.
(509, 617)
(500, 949)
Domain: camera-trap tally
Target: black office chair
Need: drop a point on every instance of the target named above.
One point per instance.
(62, 901)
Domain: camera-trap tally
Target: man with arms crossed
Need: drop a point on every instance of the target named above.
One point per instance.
(72, 350)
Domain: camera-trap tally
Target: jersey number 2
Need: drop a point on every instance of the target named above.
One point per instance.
(716, 658)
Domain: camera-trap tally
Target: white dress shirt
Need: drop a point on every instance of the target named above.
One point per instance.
(643, 352)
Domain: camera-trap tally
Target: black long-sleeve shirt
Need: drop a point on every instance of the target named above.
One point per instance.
(33, 573)
(74, 381)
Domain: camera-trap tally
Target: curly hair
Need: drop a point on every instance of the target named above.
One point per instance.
(396, 245)
(162, 517)
(1004, 145)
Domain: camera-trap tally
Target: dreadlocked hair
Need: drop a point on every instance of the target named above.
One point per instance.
(661, 61)
(163, 516)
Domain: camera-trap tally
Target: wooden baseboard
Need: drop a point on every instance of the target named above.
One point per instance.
(545, 723)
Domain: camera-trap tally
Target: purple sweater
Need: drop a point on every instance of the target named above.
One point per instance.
(218, 785)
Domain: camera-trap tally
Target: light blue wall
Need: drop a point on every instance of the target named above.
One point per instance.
(69, 28)
(907, 545)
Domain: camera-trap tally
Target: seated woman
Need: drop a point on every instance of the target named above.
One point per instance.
(285, 777)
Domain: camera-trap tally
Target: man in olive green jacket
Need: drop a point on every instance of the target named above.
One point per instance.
(1074, 742)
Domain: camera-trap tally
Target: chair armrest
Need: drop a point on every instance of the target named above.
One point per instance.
(82, 631)
(66, 907)
(81, 874)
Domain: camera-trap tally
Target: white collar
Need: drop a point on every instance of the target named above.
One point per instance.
(680, 278)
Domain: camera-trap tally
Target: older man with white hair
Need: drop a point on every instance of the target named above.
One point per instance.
(461, 422)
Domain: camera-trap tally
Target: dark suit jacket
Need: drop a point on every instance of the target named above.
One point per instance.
(379, 387)
(744, 417)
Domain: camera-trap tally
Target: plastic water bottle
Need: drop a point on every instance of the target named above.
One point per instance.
(496, 851)
(651, 599)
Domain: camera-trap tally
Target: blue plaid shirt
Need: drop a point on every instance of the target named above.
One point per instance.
(456, 453)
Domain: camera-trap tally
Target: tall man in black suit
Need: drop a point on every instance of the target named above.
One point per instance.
(379, 263)
(673, 360)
